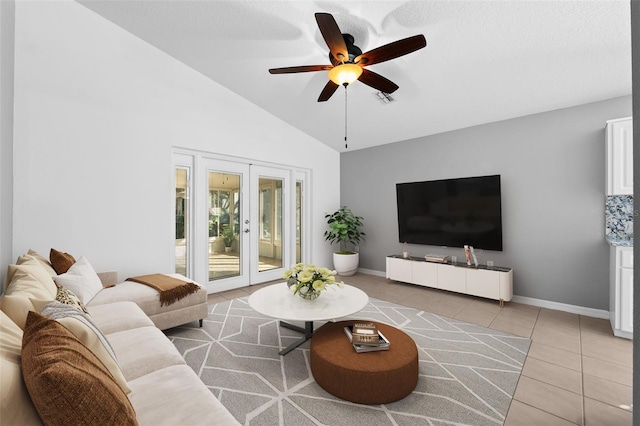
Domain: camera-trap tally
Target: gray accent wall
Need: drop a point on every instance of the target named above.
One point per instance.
(552, 168)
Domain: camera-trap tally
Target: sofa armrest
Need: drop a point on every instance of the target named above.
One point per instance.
(108, 278)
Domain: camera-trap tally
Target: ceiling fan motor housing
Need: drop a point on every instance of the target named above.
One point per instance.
(354, 51)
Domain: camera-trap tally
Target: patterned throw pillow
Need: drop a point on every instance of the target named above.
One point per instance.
(60, 261)
(67, 297)
(85, 330)
(62, 375)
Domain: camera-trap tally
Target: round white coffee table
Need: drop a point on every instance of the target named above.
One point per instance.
(276, 301)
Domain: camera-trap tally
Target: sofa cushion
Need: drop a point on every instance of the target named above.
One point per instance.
(119, 316)
(15, 404)
(60, 261)
(25, 282)
(43, 262)
(81, 279)
(143, 350)
(146, 297)
(67, 297)
(68, 384)
(176, 396)
(30, 266)
(82, 327)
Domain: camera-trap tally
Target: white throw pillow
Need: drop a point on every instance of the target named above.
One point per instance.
(81, 279)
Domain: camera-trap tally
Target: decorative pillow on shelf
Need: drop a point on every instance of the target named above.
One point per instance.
(68, 384)
(86, 331)
(60, 261)
(67, 297)
(81, 279)
(15, 404)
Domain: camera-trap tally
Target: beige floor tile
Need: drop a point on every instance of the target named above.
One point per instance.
(555, 375)
(597, 413)
(509, 327)
(555, 356)
(560, 337)
(553, 400)
(521, 317)
(476, 317)
(607, 370)
(595, 325)
(525, 415)
(609, 392)
(480, 312)
(608, 340)
(611, 349)
(215, 298)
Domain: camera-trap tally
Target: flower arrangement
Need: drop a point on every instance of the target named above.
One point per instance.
(309, 280)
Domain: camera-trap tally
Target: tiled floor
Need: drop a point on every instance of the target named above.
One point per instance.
(576, 372)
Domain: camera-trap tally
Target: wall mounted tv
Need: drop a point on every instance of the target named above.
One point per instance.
(451, 212)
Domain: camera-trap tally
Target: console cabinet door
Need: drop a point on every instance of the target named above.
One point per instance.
(483, 283)
(400, 270)
(425, 273)
(452, 278)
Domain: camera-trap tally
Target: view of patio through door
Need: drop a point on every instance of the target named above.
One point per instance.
(247, 222)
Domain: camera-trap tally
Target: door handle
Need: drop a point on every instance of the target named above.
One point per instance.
(246, 231)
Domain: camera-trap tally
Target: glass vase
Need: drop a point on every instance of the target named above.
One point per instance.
(308, 293)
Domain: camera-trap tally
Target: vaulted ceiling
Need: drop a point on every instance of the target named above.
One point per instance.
(485, 61)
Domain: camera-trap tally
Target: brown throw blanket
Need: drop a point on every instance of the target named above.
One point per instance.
(171, 289)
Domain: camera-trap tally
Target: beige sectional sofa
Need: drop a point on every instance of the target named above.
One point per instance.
(150, 377)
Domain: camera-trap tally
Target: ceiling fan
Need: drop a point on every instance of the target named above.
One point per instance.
(348, 61)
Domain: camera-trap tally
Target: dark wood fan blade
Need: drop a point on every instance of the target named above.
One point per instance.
(328, 91)
(332, 35)
(377, 81)
(392, 50)
(302, 68)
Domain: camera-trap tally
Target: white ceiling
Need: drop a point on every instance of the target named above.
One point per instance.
(485, 61)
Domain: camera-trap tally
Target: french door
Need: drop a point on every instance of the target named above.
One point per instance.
(237, 224)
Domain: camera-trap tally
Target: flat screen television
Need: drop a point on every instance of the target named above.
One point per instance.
(451, 212)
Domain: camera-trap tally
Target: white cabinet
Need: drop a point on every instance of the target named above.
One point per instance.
(621, 291)
(619, 157)
(452, 278)
(496, 283)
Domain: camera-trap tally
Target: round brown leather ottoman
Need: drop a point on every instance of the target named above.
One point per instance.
(366, 378)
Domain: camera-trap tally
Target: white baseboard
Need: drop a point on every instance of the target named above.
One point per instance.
(580, 310)
(574, 309)
(372, 272)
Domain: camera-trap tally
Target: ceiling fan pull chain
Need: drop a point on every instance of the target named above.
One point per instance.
(345, 116)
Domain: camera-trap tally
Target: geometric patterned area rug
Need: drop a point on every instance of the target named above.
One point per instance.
(468, 373)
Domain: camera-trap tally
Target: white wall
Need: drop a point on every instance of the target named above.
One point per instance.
(97, 112)
(6, 130)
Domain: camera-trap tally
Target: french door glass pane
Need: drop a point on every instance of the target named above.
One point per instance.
(270, 218)
(224, 225)
(182, 224)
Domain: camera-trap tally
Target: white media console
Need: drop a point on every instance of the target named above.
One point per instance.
(495, 283)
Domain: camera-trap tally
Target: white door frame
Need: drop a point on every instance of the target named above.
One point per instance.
(198, 162)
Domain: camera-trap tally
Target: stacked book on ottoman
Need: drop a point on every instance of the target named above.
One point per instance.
(365, 337)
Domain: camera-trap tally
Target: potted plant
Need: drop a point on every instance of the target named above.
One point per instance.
(344, 227)
(228, 237)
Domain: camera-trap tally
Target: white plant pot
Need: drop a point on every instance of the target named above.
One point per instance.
(346, 264)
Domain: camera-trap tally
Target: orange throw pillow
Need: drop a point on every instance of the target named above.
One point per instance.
(60, 261)
(67, 383)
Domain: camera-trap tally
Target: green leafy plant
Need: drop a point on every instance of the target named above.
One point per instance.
(344, 227)
(228, 236)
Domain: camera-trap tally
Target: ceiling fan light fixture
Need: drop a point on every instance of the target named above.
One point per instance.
(345, 74)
